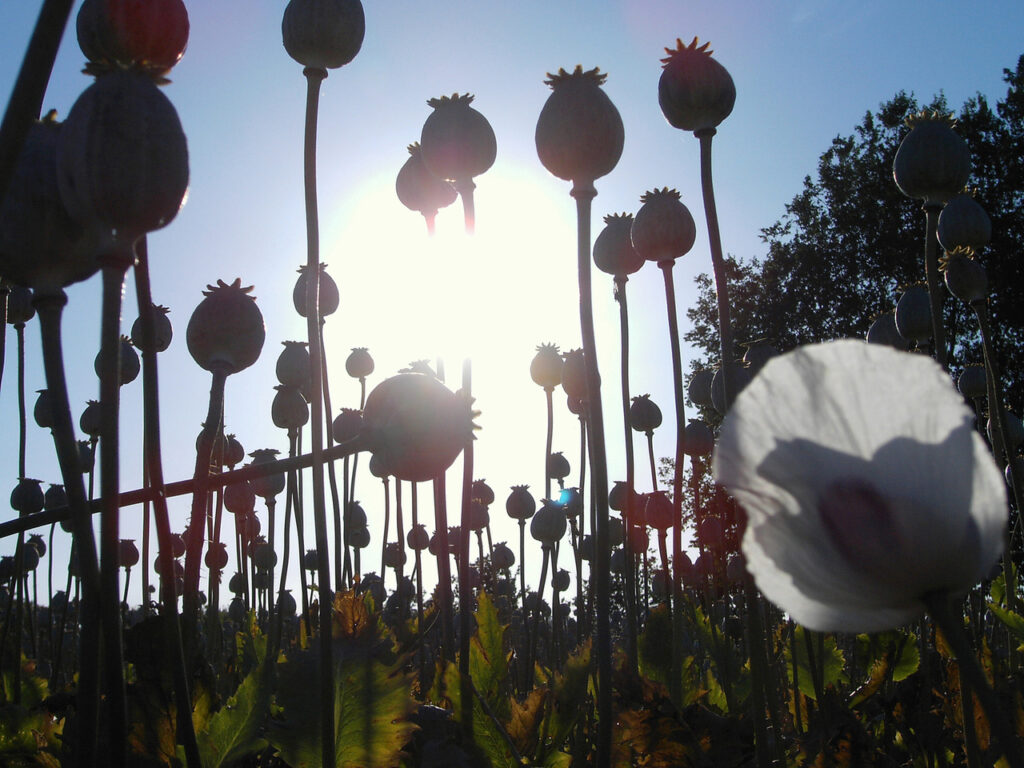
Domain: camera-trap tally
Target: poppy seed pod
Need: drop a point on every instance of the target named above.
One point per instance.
(150, 36)
(973, 382)
(700, 440)
(417, 424)
(42, 411)
(579, 134)
(239, 498)
(963, 223)
(420, 190)
(546, 367)
(162, 330)
(457, 143)
(658, 511)
(289, 409)
(482, 492)
(325, 34)
(127, 553)
(914, 314)
(663, 229)
(292, 366)
(359, 363)
(613, 249)
(884, 331)
(933, 162)
(740, 378)
(695, 92)
(644, 414)
(699, 388)
(502, 556)
(558, 466)
(549, 524)
(41, 245)
(122, 157)
(520, 504)
(418, 539)
(346, 425)
(574, 374)
(330, 299)
(965, 277)
(226, 328)
(270, 485)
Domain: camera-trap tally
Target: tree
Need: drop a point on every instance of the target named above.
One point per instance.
(850, 241)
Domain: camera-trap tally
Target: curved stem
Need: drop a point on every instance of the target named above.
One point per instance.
(940, 608)
(678, 623)
(50, 309)
(465, 589)
(931, 271)
(26, 98)
(584, 196)
(114, 268)
(194, 535)
(631, 620)
(314, 77)
(718, 266)
(465, 189)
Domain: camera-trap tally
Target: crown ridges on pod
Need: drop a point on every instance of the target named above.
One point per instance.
(930, 116)
(656, 193)
(681, 47)
(222, 287)
(456, 98)
(562, 76)
(612, 217)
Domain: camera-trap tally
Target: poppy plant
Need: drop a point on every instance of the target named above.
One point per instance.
(866, 487)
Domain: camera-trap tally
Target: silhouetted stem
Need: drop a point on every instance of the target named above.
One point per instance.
(931, 272)
(26, 98)
(465, 589)
(115, 266)
(50, 308)
(718, 266)
(584, 195)
(940, 608)
(5, 293)
(200, 495)
(631, 616)
(678, 625)
(465, 189)
(444, 573)
(314, 77)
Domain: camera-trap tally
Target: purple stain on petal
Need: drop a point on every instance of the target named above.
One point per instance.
(860, 523)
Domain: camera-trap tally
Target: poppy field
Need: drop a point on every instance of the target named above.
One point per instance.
(824, 572)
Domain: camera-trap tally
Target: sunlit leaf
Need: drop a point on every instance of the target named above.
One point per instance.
(372, 704)
(1013, 621)
(828, 661)
(233, 732)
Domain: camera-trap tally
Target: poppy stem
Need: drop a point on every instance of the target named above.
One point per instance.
(950, 622)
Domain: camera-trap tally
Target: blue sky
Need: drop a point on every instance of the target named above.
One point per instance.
(804, 71)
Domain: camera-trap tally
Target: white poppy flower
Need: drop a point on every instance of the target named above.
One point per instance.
(865, 485)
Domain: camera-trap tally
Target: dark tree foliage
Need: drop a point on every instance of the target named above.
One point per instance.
(850, 241)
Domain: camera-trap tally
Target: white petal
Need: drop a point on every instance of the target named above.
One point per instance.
(829, 413)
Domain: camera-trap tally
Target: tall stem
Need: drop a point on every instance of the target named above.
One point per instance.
(155, 474)
(678, 623)
(465, 189)
(631, 619)
(940, 608)
(718, 266)
(931, 272)
(465, 589)
(50, 308)
(114, 268)
(26, 98)
(584, 196)
(314, 77)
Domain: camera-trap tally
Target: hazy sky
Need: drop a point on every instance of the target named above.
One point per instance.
(805, 71)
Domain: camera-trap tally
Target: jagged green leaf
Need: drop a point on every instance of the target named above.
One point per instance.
(1013, 621)
(233, 732)
(828, 660)
(372, 704)
(488, 660)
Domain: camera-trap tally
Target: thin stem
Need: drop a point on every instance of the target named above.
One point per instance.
(444, 573)
(584, 196)
(718, 266)
(465, 189)
(114, 268)
(465, 590)
(678, 625)
(632, 641)
(940, 608)
(314, 77)
(931, 271)
(26, 98)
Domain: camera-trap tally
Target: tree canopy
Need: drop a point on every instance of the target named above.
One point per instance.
(850, 242)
